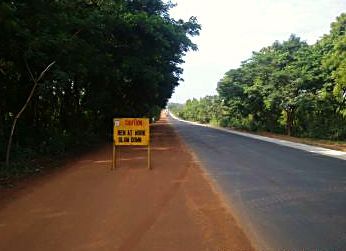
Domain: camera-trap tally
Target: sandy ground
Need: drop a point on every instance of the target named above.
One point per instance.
(86, 206)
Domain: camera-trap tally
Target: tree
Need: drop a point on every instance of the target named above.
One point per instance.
(36, 81)
(291, 86)
(335, 60)
(112, 58)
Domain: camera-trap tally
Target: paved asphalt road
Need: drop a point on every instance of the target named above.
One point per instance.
(285, 198)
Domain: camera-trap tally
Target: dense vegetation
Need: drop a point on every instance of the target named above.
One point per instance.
(85, 62)
(287, 87)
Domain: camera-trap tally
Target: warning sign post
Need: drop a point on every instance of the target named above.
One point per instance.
(131, 132)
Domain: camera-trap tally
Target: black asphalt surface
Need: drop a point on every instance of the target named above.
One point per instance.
(285, 198)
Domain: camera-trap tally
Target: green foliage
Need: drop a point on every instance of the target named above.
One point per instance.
(289, 87)
(205, 110)
(114, 58)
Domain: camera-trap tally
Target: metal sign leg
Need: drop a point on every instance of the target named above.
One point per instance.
(149, 157)
(114, 158)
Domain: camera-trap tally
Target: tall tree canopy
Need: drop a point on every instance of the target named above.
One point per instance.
(112, 58)
(289, 86)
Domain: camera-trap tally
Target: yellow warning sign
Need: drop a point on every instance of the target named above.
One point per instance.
(131, 131)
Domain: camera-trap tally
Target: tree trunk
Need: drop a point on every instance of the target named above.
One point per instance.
(289, 121)
(8, 150)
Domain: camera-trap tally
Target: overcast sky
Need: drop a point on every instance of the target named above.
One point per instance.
(232, 29)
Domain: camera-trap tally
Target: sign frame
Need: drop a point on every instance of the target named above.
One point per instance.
(131, 132)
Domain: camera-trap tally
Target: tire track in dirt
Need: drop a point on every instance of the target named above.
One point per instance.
(132, 241)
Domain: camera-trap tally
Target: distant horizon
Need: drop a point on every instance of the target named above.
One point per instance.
(229, 36)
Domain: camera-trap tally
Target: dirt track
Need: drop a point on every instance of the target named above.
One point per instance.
(88, 207)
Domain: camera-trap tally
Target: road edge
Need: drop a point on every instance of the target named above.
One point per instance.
(256, 242)
(308, 148)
